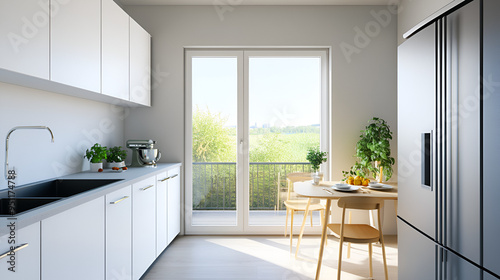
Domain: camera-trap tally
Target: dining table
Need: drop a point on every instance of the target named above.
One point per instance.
(327, 190)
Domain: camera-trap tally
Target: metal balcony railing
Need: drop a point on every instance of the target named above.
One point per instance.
(214, 184)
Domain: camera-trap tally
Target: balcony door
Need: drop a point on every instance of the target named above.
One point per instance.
(251, 115)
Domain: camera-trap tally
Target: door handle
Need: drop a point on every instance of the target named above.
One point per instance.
(20, 247)
(165, 179)
(426, 159)
(148, 187)
(119, 200)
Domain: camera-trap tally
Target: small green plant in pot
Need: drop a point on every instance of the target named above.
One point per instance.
(374, 150)
(96, 154)
(116, 157)
(316, 157)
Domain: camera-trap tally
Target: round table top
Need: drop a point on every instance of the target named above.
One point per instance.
(324, 190)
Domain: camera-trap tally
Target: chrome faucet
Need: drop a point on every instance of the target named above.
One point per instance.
(7, 142)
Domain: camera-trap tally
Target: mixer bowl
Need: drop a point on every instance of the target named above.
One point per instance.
(149, 156)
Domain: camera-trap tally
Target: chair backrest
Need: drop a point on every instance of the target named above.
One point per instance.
(362, 203)
(296, 177)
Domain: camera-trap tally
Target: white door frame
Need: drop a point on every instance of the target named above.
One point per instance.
(242, 165)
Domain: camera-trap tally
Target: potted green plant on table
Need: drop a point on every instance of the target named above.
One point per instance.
(316, 157)
(374, 150)
(116, 157)
(96, 154)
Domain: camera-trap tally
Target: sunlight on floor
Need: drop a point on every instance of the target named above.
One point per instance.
(266, 257)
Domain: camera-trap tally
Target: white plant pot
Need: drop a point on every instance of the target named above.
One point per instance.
(94, 167)
(115, 164)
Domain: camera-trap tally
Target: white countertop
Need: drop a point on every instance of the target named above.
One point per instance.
(130, 176)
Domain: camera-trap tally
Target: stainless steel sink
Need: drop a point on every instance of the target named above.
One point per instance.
(15, 206)
(58, 188)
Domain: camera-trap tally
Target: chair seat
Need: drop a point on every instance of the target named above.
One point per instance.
(356, 233)
(300, 205)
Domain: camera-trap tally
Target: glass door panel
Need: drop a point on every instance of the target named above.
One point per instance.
(284, 116)
(214, 145)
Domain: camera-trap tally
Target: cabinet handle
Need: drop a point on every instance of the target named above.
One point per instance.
(119, 200)
(15, 250)
(148, 187)
(163, 180)
(171, 177)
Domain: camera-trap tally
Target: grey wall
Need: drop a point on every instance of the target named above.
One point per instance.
(76, 123)
(363, 81)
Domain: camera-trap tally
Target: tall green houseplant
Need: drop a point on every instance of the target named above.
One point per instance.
(374, 150)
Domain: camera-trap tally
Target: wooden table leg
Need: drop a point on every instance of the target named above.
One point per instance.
(302, 227)
(323, 237)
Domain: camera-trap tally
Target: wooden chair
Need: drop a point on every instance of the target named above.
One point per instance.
(293, 203)
(359, 233)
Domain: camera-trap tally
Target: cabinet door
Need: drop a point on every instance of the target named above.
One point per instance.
(27, 259)
(416, 254)
(416, 97)
(115, 50)
(119, 234)
(463, 228)
(161, 212)
(140, 64)
(174, 203)
(491, 134)
(73, 243)
(75, 44)
(143, 226)
(24, 44)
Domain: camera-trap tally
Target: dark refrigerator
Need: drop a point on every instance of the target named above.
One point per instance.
(449, 146)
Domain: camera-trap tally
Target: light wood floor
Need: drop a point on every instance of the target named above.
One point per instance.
(265, 257)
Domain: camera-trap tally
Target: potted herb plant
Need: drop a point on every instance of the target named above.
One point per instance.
(316, 158)
(374, 150)
(96, 155)
(116, 157)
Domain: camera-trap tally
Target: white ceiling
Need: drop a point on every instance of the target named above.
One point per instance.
(254, 2)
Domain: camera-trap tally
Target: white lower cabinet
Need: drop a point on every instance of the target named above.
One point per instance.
(73, 243)
(23, 263)
(161, 212)
(119, 234)
(143, 226)
(174, 203)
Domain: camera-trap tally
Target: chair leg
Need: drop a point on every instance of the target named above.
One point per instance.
(286, 221)
(291, 230)
(370, 252)
(383, 256)
(322, 222)
(339, 268)
(311, 213)
(349, 243)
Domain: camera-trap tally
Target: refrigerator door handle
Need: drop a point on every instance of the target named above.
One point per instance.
(426, 162)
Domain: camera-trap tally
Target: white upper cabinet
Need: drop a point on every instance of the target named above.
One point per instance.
(140, 64)
(24, 44)
(115, 50)
(75, 40)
